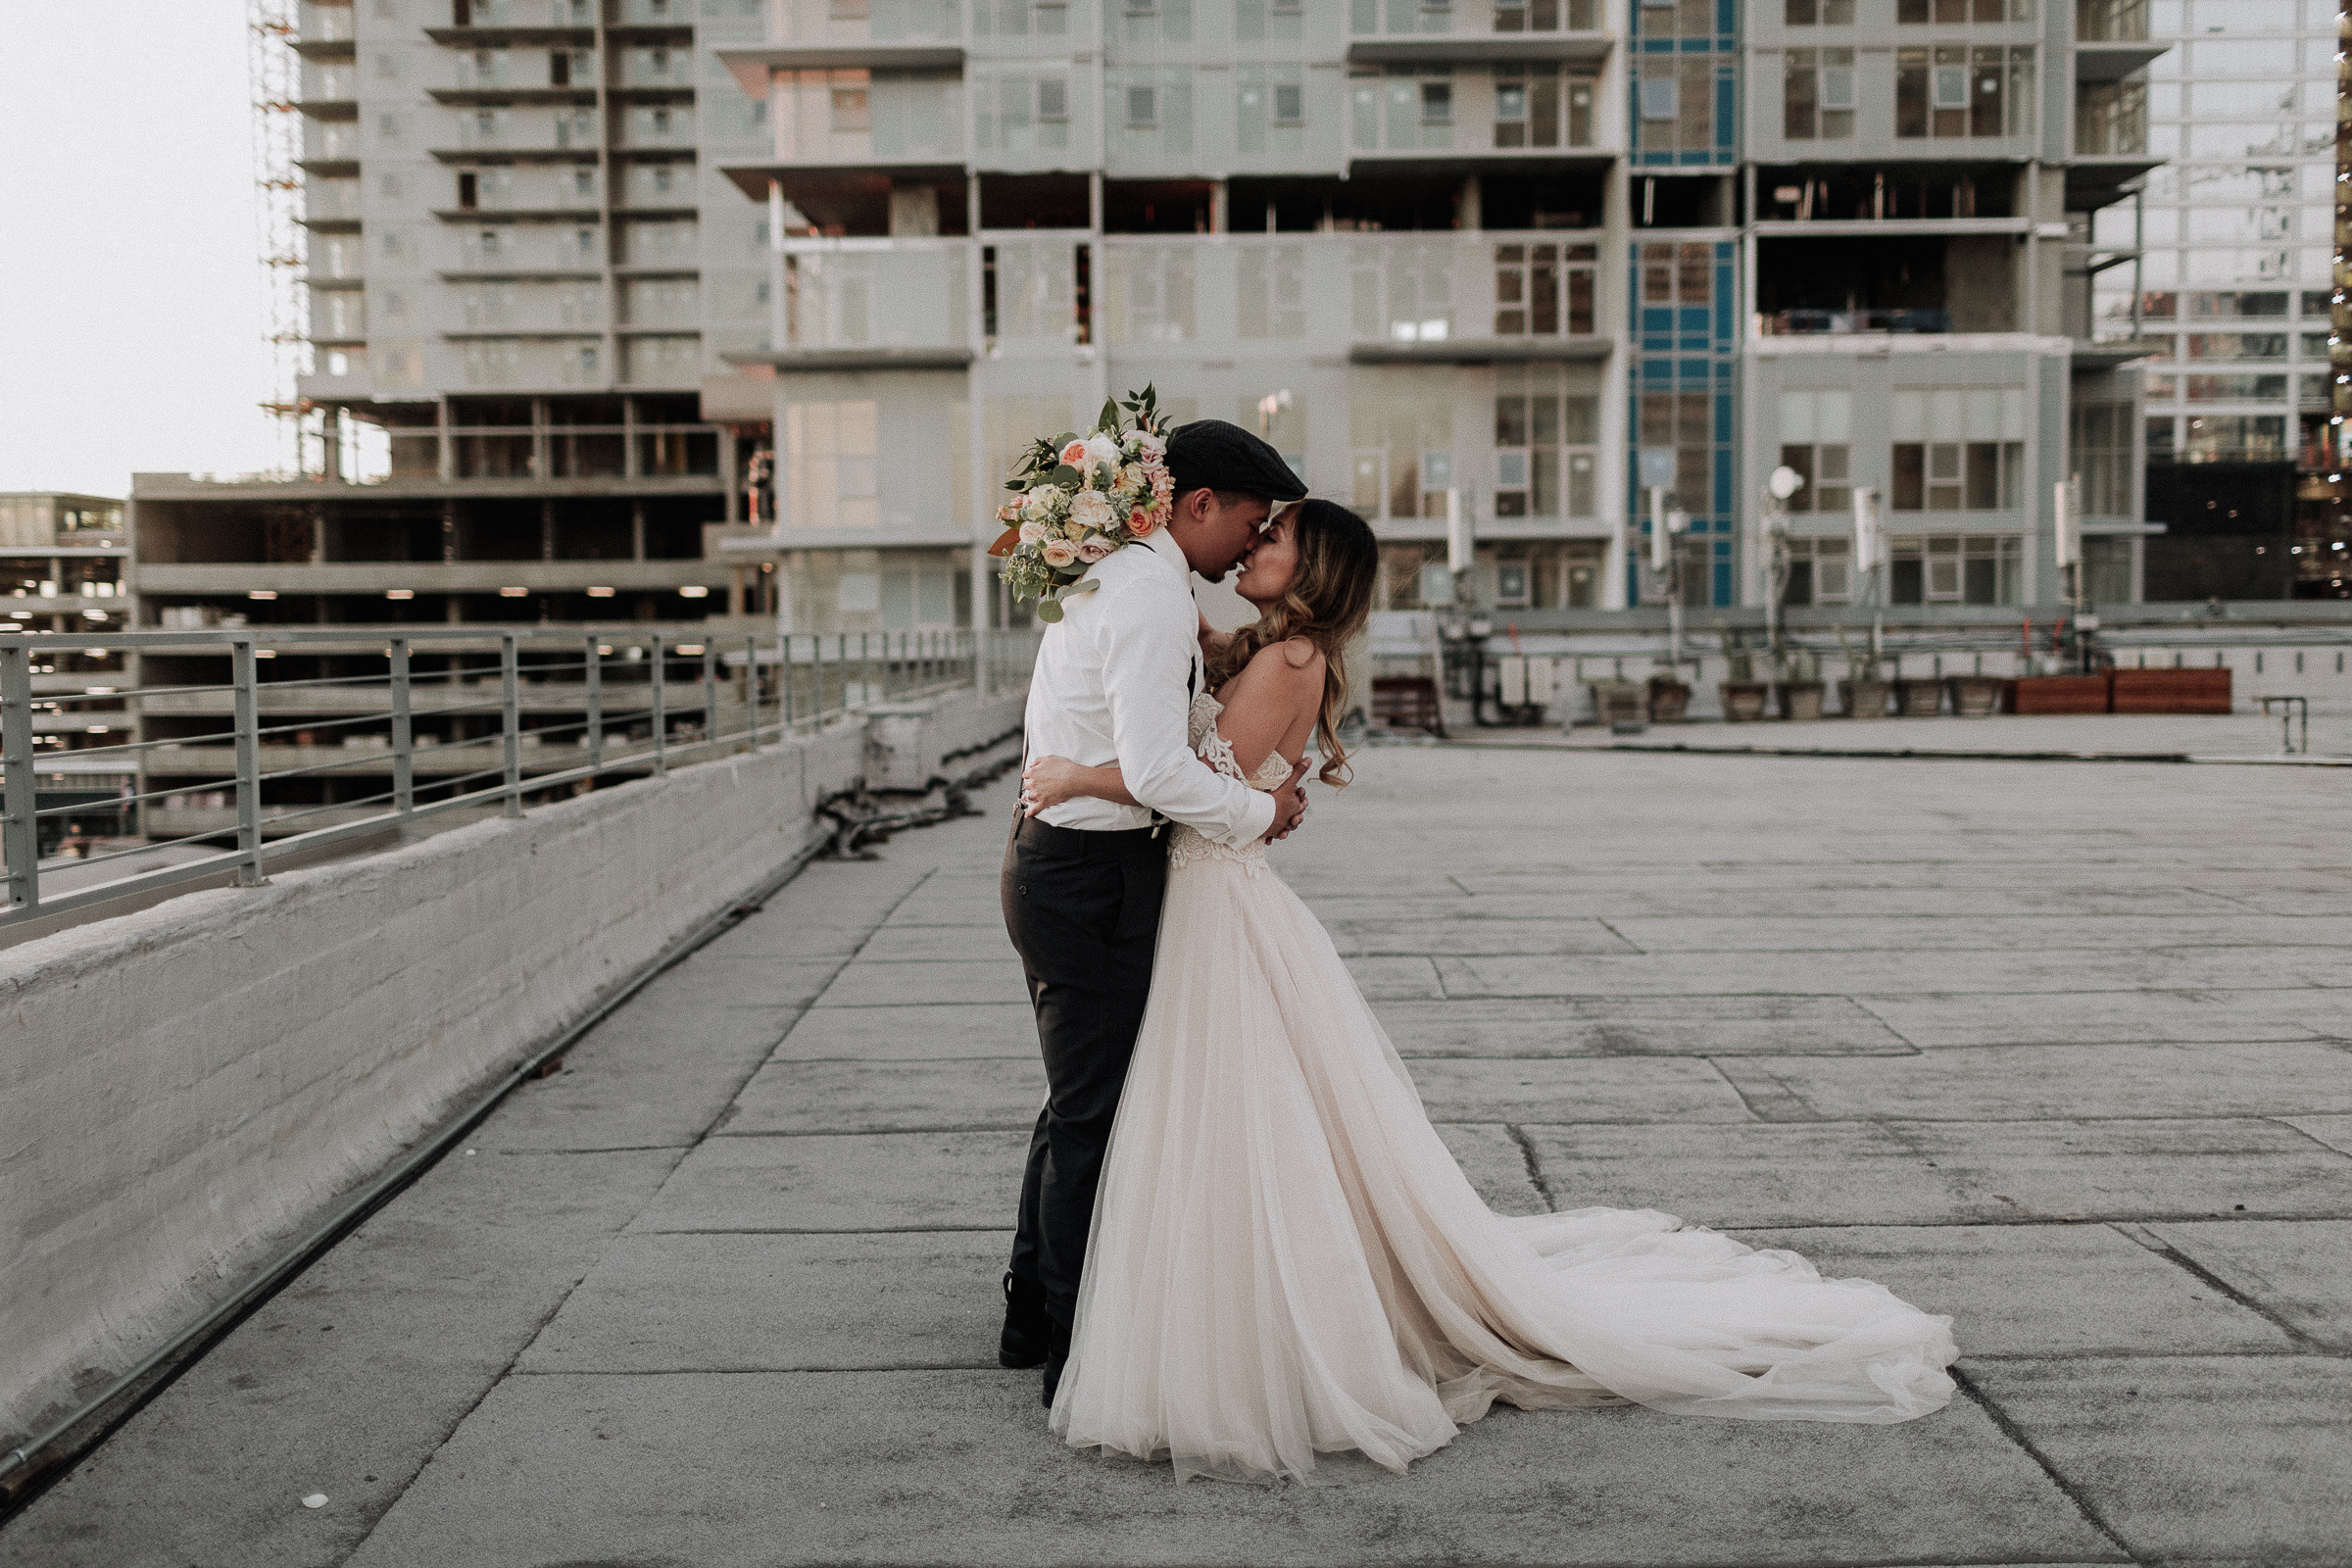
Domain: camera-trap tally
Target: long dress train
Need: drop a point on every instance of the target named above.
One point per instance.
(1287, 1261)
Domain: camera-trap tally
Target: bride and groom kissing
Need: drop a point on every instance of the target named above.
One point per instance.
(1241, 1242)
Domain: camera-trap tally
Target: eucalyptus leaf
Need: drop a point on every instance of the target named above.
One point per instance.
(1047, 611)
(1087, 586)
(1066, 477)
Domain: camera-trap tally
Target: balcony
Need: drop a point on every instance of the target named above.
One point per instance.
(1532, 117)
(1436, 298)
(872, 305)
(1880, 286)
(1476, 30)
(1801, 324)
(2111, 39)
(827, 34)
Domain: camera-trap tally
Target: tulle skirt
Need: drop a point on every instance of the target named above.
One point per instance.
(1287, 1261)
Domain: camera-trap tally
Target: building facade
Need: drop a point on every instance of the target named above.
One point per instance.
(2232, 289)
(1497, 250)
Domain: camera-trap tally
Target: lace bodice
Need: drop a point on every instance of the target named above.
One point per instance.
(1186, 845)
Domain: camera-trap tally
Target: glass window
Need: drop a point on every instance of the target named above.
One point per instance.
(1545, 461)
(1543, 290)
(1142, 106)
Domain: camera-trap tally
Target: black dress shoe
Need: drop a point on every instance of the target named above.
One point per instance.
(1028, 1326)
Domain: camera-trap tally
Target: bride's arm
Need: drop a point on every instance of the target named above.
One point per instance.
(1047, 781)
(1274, 695)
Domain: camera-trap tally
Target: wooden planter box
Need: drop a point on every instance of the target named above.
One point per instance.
(1866, 699)
(1919, 699)
(2171, 691)
(2060, 694)
(1669, 701)
(1800, 699)
(1976, 696)
(1742, 700)
(1619, 702)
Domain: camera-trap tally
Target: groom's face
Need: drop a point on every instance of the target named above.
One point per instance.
(1217, 534)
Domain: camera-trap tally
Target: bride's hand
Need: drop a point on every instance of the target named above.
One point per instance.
(1048, 781)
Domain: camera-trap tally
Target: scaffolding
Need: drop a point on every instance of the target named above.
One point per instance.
(275, 68)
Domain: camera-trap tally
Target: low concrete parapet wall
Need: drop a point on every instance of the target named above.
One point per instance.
(186, 1088)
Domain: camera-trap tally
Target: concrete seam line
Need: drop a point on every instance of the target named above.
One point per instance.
(183, 1349)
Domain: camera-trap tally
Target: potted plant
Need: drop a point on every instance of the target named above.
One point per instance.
(1976, 696)
(1865, 691)
(1743, 696)
(1669, 698)
(1619, 705)
(1801, 688)
(1916, 698)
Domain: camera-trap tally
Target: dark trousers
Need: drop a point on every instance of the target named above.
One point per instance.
(1083, 910)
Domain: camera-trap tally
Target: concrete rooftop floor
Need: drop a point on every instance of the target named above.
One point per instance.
(2064, 1050)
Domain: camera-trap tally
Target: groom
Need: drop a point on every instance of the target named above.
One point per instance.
(1082, 881)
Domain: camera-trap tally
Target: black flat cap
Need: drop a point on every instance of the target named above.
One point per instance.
(1213, 455)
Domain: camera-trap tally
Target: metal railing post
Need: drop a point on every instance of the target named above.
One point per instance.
(21, 830)
(865, 671)
(660, 709)
(816, 678)
(404, 739)
(709, 697)
(510, 722)
(244, 677)
(751, 691)
(592, 670)
(784, 682)
(983, 677)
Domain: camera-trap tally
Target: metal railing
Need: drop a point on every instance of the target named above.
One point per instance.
(237, 770)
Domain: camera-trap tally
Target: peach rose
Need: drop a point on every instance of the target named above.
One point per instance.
(1059, 553)
(1144, 521)
(1091, 508)
(1032, 532)
(1074, 454)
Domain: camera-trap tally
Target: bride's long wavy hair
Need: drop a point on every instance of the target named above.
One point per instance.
(1326, 603)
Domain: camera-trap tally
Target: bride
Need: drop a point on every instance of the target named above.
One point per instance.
(1284, 1258)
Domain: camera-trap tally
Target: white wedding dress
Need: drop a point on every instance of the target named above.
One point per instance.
(1287, 1261)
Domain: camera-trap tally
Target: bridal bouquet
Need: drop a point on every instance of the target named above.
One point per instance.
(1080, 497)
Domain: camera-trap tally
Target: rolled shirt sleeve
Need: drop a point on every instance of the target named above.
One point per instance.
(1147, 650)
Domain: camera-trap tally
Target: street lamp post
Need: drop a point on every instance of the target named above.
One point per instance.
(1784, 484)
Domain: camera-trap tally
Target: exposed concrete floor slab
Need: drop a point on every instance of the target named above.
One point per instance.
(881, 1096)
(2236, 1459)
(940, 1467)
(768, 1303)
(346, 1382)
(2016, 1083)
(2040, 1290)
(2299, 1272)
(2111, 1144)
(928, 1033)
(1654, 1089)
(2116, 1017)
(1638, 1026)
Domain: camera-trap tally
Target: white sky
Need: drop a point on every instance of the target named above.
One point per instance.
(130, 288)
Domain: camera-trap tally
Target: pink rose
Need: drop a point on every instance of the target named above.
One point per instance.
(1032, 532)
(1094, 549)
(1059, 553)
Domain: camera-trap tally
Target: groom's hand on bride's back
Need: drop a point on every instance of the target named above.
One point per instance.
(1289, 805)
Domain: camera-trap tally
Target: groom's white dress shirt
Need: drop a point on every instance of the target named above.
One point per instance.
(1110, 685)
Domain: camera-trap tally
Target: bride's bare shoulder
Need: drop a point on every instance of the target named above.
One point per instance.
(1294, 660)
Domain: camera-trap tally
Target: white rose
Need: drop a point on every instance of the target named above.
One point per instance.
(1091, 508)
(1131, 477)
(1032, 531)
(1094, 549)
(1059, 553)
(1042, 498)
(1103, 449)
